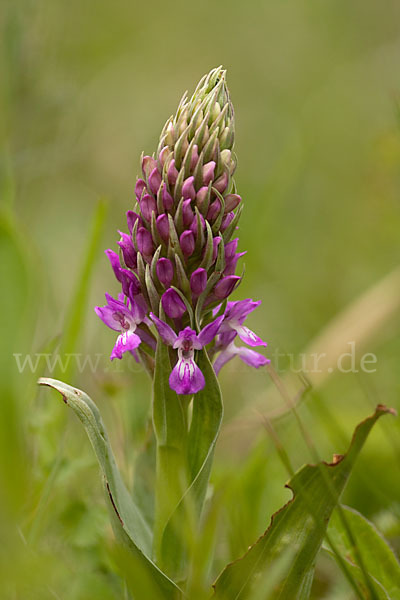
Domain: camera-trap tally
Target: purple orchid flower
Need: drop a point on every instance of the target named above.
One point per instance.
(232, 326)
(123, 318)
(186, 377)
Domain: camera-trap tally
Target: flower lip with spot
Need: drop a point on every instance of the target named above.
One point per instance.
(123, 318)
(186, 377)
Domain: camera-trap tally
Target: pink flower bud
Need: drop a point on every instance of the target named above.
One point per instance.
(139, 187)
(214, 210)
(162, 157)
(201, 197)
(154, 181)
(216, 243)
(188, 190)
(193, 226)
(208, 172)
(131, 218)
(165, 271)
(188, 214)
(144, 241)
(148, 164)
(162, 225)
(147, 206)
(221, 182)
(172, 173)
(195, 157)
(173, 304)
(167, 199)
(198, 281)
(128, 251)
(225, 286)
(232, 201)
(187, 242)
(227, 220)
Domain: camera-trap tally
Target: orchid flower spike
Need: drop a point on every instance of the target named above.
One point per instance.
(181, 253)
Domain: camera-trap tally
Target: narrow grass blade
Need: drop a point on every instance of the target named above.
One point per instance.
(76, 313)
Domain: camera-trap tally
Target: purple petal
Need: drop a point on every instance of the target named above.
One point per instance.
(187, 340)
(173, 304)
(225, 336)
(240, 309)
(224, 357)
(208, 333)
(126, 342)
(166, 332)
(251, 357)
(146, 337)
(106, 314)
(198, 281)
(116, 304)
(230, 248)
(115, 264)
(186, 377)
(248, 336)
(138, 311)
(130, 284)
(231, 263)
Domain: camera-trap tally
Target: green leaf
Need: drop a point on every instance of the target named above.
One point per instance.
(204, 429)
(128, 523)
(205, 425)
(378, 558)
(170, 426)
(301, 524)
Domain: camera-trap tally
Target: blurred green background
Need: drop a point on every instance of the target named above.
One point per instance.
(85, 88)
